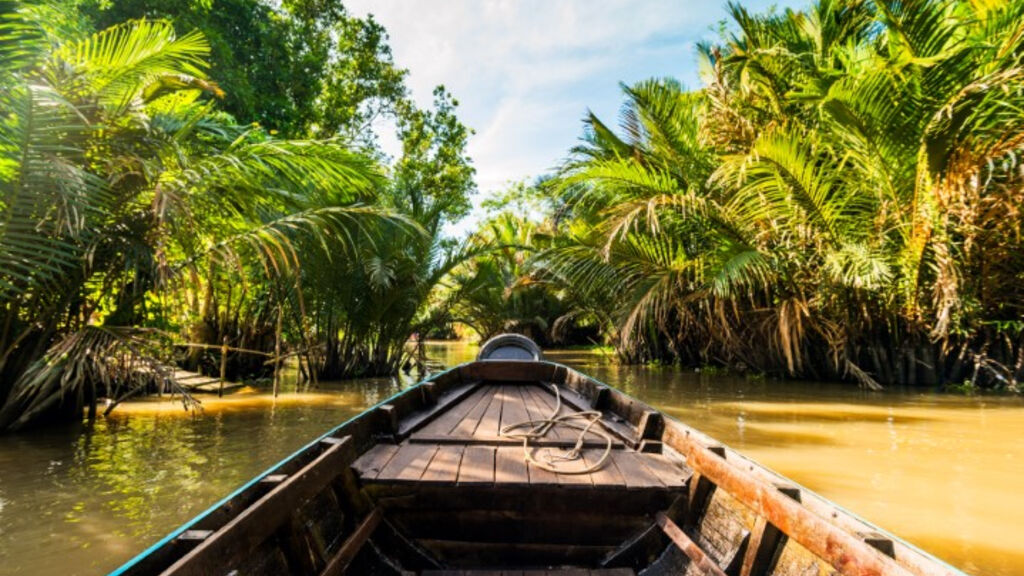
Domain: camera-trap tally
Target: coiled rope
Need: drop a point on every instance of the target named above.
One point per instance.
(537, 429)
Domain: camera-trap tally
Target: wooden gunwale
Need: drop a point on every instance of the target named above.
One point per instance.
(756, 486)
(824, 529)
(362, 427)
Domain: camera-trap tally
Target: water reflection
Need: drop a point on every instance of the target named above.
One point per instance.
(938, 470)
(82, 500)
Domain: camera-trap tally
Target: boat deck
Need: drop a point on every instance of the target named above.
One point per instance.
(463, 446)
(467, 494)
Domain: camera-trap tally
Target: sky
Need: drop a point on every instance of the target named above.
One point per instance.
(526, 71)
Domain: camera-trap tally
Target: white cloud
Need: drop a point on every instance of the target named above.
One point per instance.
(525, 71)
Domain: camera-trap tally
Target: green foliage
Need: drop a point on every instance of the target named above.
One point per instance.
(844, 191)
(301, 68)
(119, 181)
(365, 309)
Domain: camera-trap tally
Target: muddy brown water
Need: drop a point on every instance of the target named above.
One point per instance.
(941, 471)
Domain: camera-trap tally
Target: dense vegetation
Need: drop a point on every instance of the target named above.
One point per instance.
(841, 199)
(142, 224)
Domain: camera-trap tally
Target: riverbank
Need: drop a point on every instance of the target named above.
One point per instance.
(935, 469)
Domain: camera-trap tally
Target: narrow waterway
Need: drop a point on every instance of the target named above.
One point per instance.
(941, 471)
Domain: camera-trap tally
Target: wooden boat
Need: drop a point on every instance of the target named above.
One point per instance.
(437, 480)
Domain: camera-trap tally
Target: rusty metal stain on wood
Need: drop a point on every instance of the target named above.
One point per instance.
(837, 547)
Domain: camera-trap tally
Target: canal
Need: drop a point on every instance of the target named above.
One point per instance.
(941, 471)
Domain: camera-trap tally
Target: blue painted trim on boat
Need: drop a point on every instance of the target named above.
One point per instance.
(187, 525)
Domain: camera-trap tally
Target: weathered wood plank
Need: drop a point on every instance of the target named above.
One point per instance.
(650, 426)
(467, 426)
(545, 402)
(829, 542)
(762, 549)
(336, 566)
(608, 474)
(408, 464)
(543, 498)
(229, 545)
(613, 422)
(510, 466)
(574, 480)
(553, 572)
(477, 466)
(452, 416)
(439, 406)
(590, 441)
(388, 414)
(444, 467)
(592, 526)
(370, 464)
(513, 410)
(634, 472)
(689, 547)
(487, 553)
(668, 472)
(510, 371)
(490, 422)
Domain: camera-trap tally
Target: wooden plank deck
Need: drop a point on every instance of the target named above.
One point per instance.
(463, 447)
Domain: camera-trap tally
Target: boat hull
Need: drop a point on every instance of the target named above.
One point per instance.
(432, 480)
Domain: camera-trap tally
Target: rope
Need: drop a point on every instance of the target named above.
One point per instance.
(537, 429)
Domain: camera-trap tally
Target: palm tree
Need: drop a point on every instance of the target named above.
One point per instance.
(121, 187)
(834, 192)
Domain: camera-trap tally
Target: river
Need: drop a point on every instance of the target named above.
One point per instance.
(941, 471)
